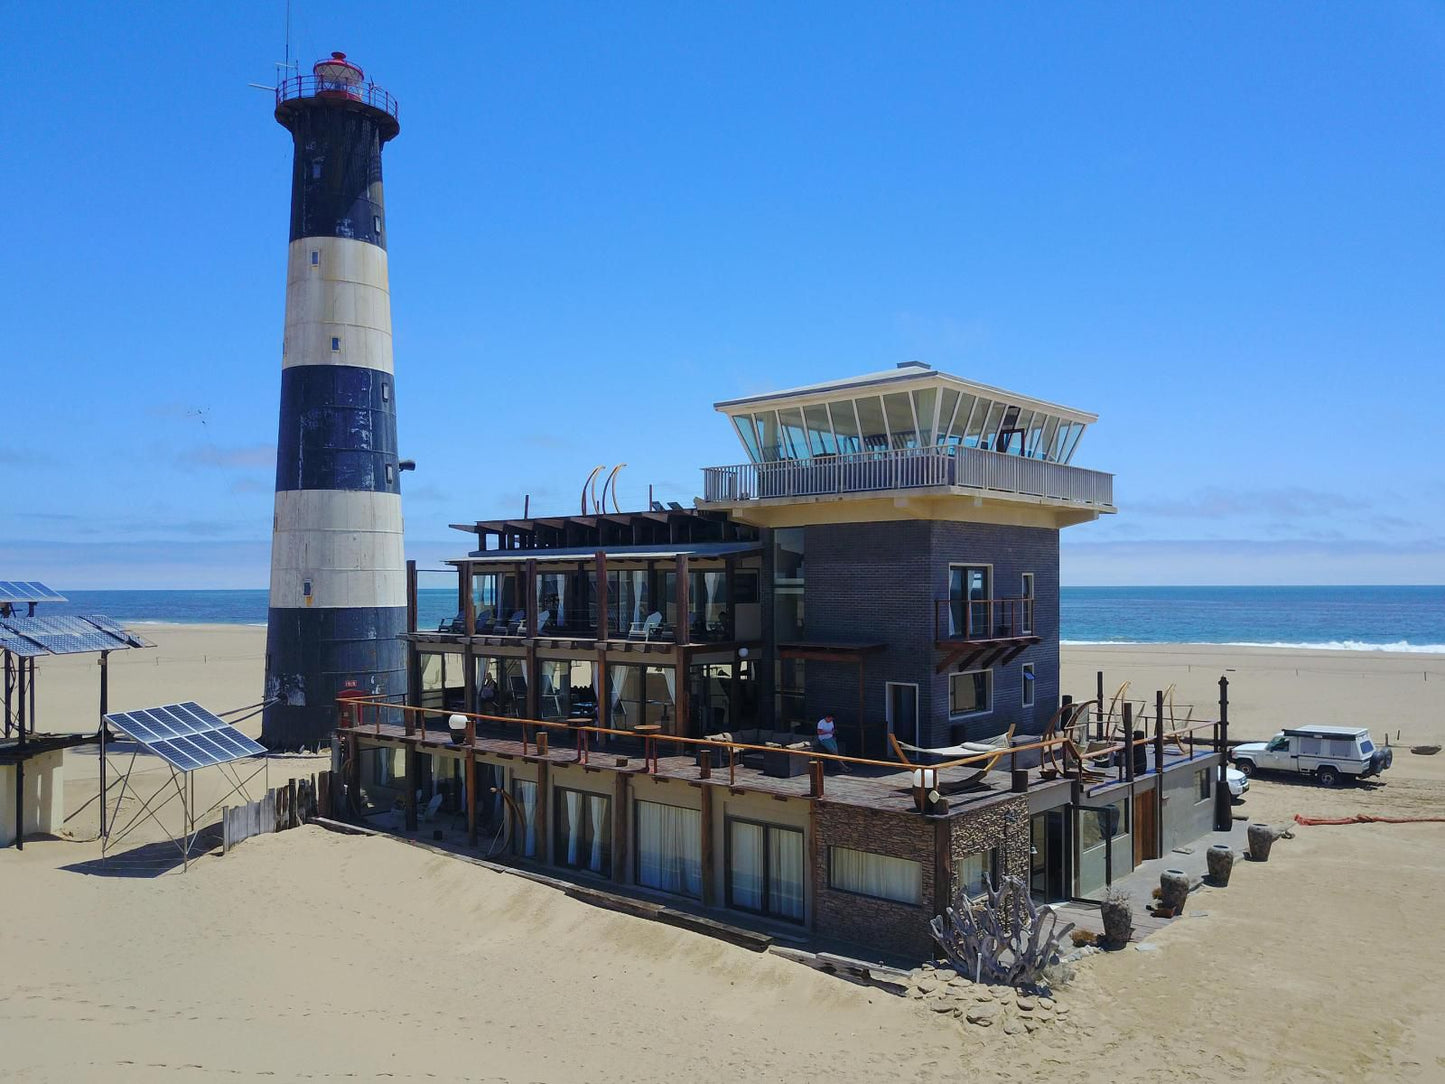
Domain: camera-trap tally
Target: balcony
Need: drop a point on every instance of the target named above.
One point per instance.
(979, 633)
(959, 469)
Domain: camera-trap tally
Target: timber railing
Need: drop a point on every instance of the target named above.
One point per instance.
(908, 468)
(982, 619)
(365, 714)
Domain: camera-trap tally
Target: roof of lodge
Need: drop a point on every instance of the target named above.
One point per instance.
(907, 373)
(658, 552)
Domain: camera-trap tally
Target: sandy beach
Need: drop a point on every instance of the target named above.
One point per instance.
(309, 954)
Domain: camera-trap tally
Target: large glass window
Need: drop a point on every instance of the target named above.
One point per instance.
(669, 848)
(948, 404)
(970, 692)
(765, 869)
(770, 438)
(924, 404)
(845, 427)
(898, 413)
(501, 686)
(748, 434)
(871, 424)
(880, 875)
(712, 618)
(642, 694)
(497, 600)
(583, 838)
(975, 874)
(788, 555)
(628, 602)
(820, 431)
(977, 423)
(711, 697)
(564, 682)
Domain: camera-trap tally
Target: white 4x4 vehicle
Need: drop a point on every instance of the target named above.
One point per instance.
(1326, 752)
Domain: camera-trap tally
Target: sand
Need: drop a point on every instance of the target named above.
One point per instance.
(309, 954)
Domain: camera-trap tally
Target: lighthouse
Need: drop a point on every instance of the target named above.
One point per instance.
(338, 592)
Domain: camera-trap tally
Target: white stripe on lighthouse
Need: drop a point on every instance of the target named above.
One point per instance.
(338, 304)
(347, 544)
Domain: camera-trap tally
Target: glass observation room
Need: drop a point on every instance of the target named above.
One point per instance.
(912, 406)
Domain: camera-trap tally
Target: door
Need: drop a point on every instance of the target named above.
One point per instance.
(1146, 827)
(902, 712)
(968, 601)
(1049, 875)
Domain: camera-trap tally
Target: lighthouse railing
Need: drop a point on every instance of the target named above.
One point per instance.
(314, 86)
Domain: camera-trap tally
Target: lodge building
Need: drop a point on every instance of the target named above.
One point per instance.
(889, 554)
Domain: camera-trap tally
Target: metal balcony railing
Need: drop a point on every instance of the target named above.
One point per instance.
(908, 468)
(982, 619)
(312, 86)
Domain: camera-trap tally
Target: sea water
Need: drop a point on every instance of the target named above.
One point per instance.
(1347, 618)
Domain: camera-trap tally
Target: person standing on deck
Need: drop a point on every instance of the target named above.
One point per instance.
(827, 737)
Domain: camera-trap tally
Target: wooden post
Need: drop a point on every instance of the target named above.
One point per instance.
(862, 748)
(602, 601)
(942, 865)
(544, 807)
(471, 785)
(683, 633)
(619, 828)
(1159, 773)
(1128, 741)
(709, 873)
(411, 596)
(1099, 711)
(469, 601)
(413, 772)
(1223, 817)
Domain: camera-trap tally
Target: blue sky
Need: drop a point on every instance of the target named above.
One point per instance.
(1219, 227)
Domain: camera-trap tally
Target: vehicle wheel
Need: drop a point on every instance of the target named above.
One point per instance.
(1326, 776)
(1245, 766)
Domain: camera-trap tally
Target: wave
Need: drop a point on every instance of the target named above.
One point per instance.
(1401, 646)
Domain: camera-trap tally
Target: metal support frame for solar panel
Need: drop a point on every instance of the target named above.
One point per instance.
(187, 738)
(25, 638)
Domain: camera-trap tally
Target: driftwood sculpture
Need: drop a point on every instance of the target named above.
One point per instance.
(1006, 940)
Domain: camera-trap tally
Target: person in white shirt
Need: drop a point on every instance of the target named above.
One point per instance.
(827, 737)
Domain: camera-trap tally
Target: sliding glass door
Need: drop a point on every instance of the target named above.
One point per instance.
(765, 869)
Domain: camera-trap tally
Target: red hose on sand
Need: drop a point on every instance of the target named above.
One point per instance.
(1364, 818)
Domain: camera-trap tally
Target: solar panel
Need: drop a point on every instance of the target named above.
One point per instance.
(18, 645)
(67, 635)
(186, 736)
(27, 591)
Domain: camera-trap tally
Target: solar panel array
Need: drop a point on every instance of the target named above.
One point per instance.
(186, 736)
(69, 635)
(27, 591)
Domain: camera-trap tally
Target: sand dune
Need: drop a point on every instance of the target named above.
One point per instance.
(309, 954)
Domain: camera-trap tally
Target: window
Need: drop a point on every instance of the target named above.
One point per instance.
(1201, 783)
(385, 392)
(1026, 607)
(975, 874)
(879, 875)
(376, 224)
(1105, 822)
(388, 766)
(306, 588)
(969, 595)
(335, 343)
(524, 841)
(1028, 684)
(315, 258)
(584, 831)
(669, 848)
(746, 588)
(390, 474)
(316, 169)
(765, 869)
(788, 549)
(970, 692)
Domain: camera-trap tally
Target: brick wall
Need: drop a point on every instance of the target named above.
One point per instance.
(882, 925)
(1004, 825)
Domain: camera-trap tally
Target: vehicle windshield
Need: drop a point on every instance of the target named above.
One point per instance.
(1277, 743)
(1366, 746)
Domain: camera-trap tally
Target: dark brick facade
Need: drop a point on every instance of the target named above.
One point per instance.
(879, 583)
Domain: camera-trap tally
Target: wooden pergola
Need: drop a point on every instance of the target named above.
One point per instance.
(834, 651)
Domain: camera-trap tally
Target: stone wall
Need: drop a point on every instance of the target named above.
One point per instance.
(882, 925)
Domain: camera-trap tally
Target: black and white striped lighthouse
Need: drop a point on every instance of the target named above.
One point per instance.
(338, 597)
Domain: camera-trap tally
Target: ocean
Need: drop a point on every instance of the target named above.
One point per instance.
(1342, 618)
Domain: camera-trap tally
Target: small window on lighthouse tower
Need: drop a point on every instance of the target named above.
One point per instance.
(335, 343)
(315, 257)
(385, 392)
(390, 474)
(376, 224)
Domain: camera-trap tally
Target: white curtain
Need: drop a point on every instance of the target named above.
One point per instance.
(526, 794)
(600, 831)
(785, 873)
(877, 875)
(620, 678)
(746, 874)
(572, 803)
(669, 675)
(669, 848)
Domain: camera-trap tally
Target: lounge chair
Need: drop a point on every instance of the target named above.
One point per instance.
(512, 625)
(998, 747)
(456, 625)
(429, 814)
(646, 629)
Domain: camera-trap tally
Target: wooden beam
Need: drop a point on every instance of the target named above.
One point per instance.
(619, 828)
(709, 848)
(469, 601)
(544, 805)
(411, 596)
